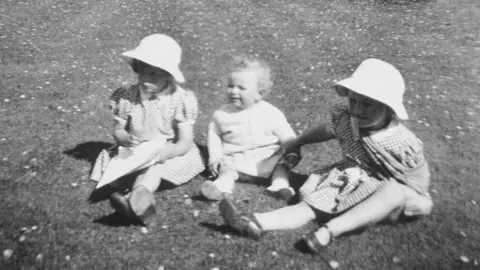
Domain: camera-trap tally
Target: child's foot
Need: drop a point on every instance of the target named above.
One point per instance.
(285, 194)
(120, 204)
(317, 240)
(241, 223)
(211, 191)
(142, 203)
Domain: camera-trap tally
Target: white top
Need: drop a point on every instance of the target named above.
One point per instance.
(232, 130)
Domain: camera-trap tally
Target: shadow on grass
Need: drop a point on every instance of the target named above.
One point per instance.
(88, 151)
(118, 220)
(223, 229)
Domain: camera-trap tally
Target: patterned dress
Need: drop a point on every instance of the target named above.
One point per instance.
(338, 187)
(332, 189)
(156, 118)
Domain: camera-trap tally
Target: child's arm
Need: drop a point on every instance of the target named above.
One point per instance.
(122, 137)
(214, 144)
(318, 134)
(181, 147)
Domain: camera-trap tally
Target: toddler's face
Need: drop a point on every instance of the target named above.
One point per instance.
(368, 112)
(242, 89)
(152, 79)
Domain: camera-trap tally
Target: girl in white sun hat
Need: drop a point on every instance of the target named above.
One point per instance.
(383, 174)
(156, 109)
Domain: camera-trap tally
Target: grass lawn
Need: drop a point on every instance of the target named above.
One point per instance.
(60, 60)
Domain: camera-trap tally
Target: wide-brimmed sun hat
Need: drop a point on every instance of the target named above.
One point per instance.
(160, 51)
(378, 80)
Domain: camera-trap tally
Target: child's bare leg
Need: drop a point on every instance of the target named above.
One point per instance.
(141, 197)
(390, 198)
(280, 178)
(225, 182)
(286, 218)
(280, 186)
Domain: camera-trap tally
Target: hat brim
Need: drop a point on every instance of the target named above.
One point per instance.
(172, 69)
(361, 88)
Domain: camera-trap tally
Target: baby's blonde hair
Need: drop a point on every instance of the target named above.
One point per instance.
(260, 67)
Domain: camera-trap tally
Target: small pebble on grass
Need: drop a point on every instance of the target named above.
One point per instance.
(274, 253)
(144, 230)
(334, 264)
(21, 238)
(211, 255)
(7, 253)
(395, 259)
(464, 259)
(39, 259)
(67, 258)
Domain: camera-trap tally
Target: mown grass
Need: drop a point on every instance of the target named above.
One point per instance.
(63, 56)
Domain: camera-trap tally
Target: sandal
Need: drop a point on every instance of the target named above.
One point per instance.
(241, 223)
(312, 241)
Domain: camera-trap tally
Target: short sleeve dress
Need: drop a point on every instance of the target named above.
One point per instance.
(337, 187)
(158, 117)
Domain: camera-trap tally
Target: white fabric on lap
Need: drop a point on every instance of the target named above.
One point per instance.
(129, 160)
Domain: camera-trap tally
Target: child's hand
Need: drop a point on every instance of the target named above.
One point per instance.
(160, 156)
(214, 167)
(125, 139)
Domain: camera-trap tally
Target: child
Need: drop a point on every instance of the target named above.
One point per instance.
(156, 108)
(244, 136)
(384, 172)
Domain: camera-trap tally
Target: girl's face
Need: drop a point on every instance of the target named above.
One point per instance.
(152, 79)
(369, 113)
(242, 90)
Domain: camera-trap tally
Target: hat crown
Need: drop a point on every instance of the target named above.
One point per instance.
(160, 51)
(385, 82)
(161, 46)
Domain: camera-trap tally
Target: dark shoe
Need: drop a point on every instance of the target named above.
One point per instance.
(290, 160)
(120, 204)
(243, 224)
(211, 192)
(312, 241)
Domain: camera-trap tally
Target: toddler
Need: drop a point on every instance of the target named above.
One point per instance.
(244, 136)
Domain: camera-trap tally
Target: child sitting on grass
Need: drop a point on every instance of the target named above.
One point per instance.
(155, 108)
(245, 135)
(384, 173)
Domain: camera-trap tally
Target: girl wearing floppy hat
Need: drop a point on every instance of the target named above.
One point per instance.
(155, 108)
(383, 175)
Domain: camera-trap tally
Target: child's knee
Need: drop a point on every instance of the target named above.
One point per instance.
(394, 195)
(149, 180)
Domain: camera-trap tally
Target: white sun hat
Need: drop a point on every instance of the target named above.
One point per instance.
(160, 51)
(378, 80)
